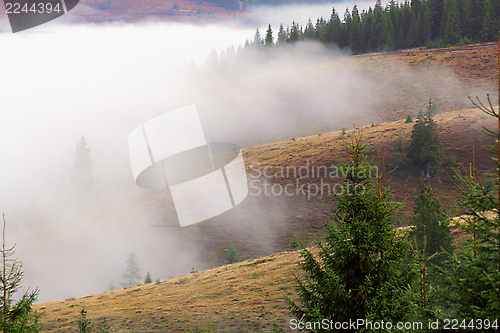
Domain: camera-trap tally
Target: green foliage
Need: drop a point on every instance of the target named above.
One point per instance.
(158, 281)
(176, 7)
(424, 296)
(473, 281)
(133, 272)
(148, 279)
(359, 271)
(343, 131)
(81, 174)
(450, 161)
(193, 271)
(295, 242)
(111, 286)
(277, 329)
(208, 329)
(399, 161)
(429, 218)
(231, 255)
(409, 178)
(400, 147)
(84, 325)
(268, 40)
(103, 326)
(425, 143)
(18, 317)
(408, 119)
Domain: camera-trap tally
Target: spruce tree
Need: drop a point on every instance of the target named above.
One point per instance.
(268, 41)
(429, 217)
(282, 36)
(425, 143)
(17, 317)
(133, 272)
(81, 176)
(473, 282)
(359, 272)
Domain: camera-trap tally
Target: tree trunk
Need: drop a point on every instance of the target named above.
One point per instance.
(427, 173)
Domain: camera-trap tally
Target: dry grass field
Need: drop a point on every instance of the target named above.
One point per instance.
(248, 296)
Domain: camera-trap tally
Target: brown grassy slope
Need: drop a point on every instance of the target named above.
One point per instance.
(245, 297)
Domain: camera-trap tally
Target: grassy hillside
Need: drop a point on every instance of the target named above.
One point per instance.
(244, 297)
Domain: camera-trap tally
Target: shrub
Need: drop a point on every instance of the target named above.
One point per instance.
(295, 242)
(158, 281)
(231, 255)
(409, 178)
(400, 147)
(148, 279)
(409, 119)
(193, 270)
(450, 161)
(399, 160)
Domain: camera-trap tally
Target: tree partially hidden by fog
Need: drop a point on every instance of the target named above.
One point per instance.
(18, 317)
(133, 272)
(81, 176)
(358, 271)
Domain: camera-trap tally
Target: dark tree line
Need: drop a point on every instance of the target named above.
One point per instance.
(434, 23)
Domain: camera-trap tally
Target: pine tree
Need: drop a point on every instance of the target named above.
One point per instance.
(282, 36)
(429, 215)
(358, 272)
(473, 282)
(257, 40)
(17, 317)
(452, 25)
(268, 41)
(81, 176)
(133, 272)
(425, 143)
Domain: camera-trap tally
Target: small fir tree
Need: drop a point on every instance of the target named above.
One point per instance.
(400, 146)
(148, 279)
(409, 119)
(358, 272)
(429, 218)
(18, 317)
(133, 273)
(84, 325)
(111, 287)
(81, 176)
(268, 41)
(425, 143)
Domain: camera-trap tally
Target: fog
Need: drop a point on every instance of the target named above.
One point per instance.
(62, 82)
